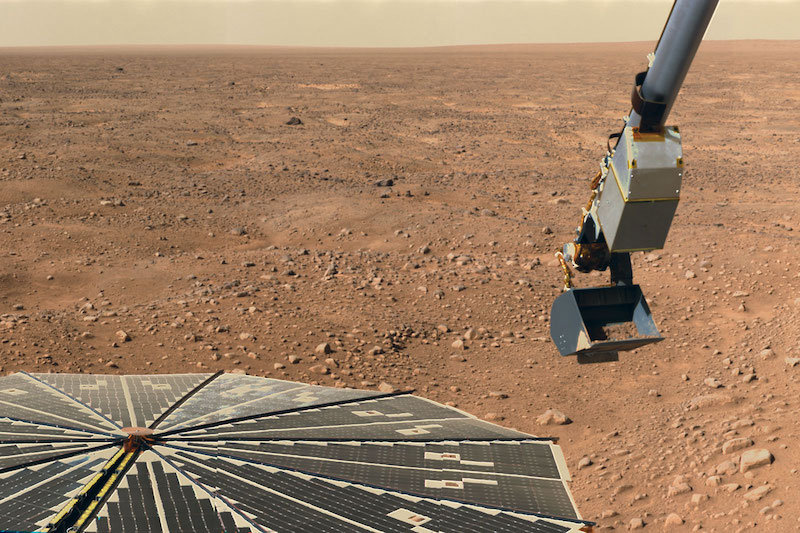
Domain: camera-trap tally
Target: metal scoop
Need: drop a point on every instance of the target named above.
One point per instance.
(596, 323)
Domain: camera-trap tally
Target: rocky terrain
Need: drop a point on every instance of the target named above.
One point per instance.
(387, 219)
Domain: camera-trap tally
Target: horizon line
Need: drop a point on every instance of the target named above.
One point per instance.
(356, 47)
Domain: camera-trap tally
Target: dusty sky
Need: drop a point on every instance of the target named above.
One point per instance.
(371, 22)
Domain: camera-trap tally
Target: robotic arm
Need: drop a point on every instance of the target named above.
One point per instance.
(634, 197)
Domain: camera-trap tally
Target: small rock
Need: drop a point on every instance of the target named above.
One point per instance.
(320, 369)
(546, 230)
(385, 183)
(553, 417)
(792, 361)
(493, 417)
(123, 336)
(293, 359)
(471, 334)
(636, 523)
(726, 468)
(294, 121)
(731, 487)
(766, 353)
(585, 462)
(758, 493)
(458, 344)
(331, 270)
(736, 444)
(385, 387)
(677, 488)
(755, 458)
(714, 383)
(708, 400)
(278, 366)
(689, 274)
(238, 232)
(323, 348)
(673, 520)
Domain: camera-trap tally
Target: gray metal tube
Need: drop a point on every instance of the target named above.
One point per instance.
(682, 35)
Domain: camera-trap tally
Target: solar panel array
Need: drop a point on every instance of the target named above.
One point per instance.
(237, 453)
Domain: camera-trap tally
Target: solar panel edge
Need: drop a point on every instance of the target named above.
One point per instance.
(328, 477)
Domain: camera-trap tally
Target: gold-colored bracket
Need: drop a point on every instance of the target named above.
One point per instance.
(566, 269)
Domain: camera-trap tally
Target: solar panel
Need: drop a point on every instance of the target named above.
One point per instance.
(236, 453)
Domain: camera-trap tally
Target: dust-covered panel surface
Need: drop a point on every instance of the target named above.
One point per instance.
(236, 453)
(233, 396)
(126, 400)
